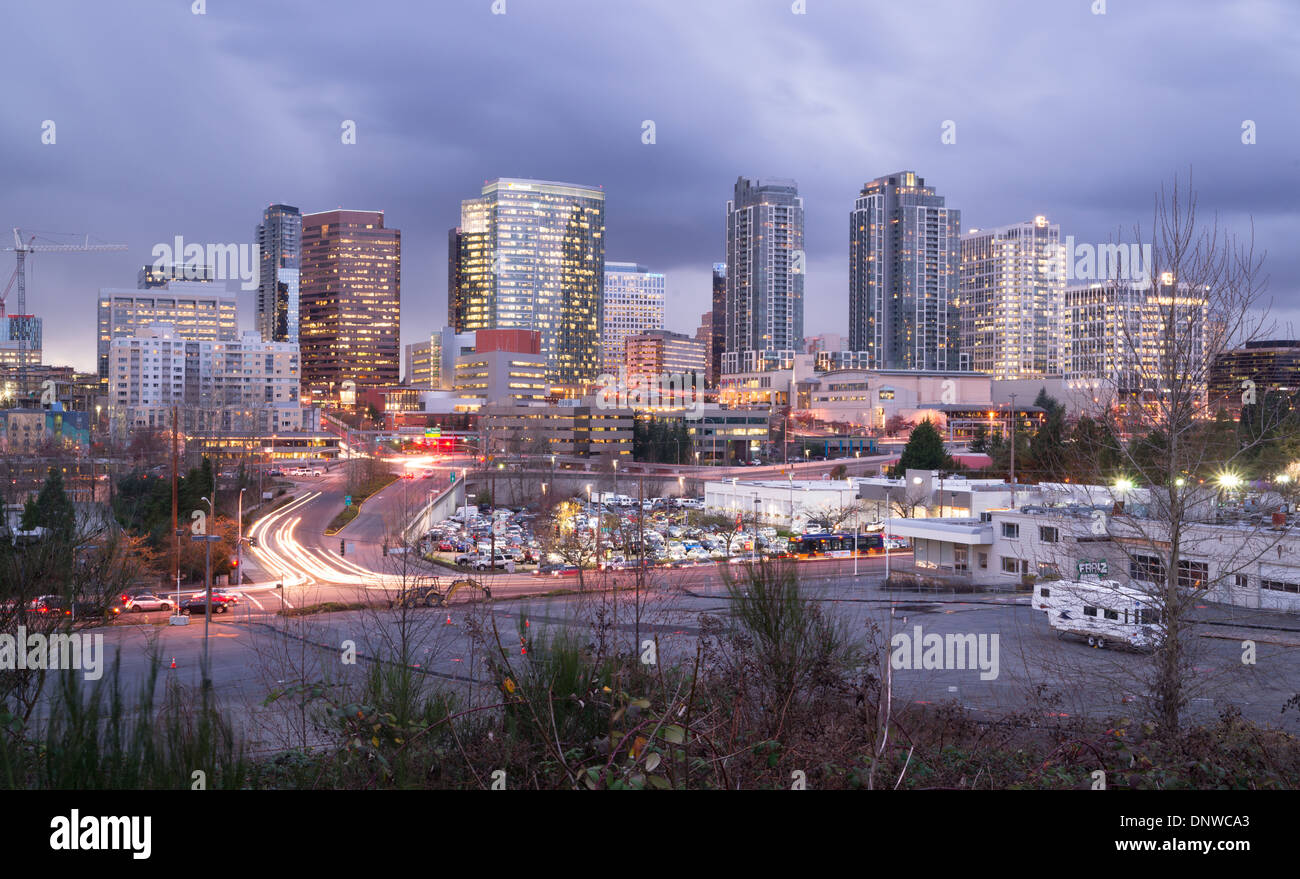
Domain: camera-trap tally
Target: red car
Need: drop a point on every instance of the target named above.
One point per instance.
(222, 602)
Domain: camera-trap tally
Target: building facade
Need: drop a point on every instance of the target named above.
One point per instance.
(566, 429)
(662, 352)
(718, 321)
(506, 366)
(904, 255)
(765, 268)
(20, 339)
(531, 255)
(193, 309)
(279, 241)
(245, 385)
(152, 276)
(1132, 340)
(1012, 300)
(634, 303)
(350, 300)
(1272, 365)
(1232, 563)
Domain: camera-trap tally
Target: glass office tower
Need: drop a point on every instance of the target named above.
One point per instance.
(531, 255)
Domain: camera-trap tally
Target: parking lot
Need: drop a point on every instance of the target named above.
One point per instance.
(662, 531)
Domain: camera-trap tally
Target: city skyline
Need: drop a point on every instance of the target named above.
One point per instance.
(710, 124)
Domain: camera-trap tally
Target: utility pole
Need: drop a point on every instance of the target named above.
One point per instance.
(1013, 451)
(176, 527)
(239, 541)
(207, 540)
(640, 556)
(888, 515)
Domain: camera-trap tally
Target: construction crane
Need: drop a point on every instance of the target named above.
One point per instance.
(19, 277)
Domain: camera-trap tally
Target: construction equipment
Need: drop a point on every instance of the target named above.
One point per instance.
(428, 592)
(19, 276)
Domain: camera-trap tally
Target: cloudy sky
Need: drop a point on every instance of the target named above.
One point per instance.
(169, 123)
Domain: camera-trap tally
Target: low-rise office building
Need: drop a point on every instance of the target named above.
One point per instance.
(568, 428)
(1249, 564)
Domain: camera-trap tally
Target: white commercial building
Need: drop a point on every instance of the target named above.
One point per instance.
(785, 503)
(1249, 564)
(500, 376)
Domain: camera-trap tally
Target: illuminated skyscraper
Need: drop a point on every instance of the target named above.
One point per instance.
(455, 295)
(1012, 300)
(718, 321)
(764, 272)
(351, 300)
(903, 273)
(279, 242)
(531, 255)
(634, 303)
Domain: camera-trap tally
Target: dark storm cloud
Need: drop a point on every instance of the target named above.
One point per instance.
(171, 123)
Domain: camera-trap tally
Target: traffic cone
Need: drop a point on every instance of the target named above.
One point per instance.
(449, 619)
(173, 662)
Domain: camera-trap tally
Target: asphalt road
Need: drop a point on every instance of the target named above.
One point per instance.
(256, 651)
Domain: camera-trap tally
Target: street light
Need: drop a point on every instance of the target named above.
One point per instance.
(239, 540)
(1229, 480)
(1123, 485)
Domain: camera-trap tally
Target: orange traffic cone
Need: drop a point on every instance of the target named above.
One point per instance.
(173, 662)
(449, 619)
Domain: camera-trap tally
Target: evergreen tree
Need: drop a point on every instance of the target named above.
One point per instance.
(924, 450)
(51, 509)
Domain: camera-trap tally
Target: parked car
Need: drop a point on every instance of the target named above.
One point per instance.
(502, 560)
(146, 601)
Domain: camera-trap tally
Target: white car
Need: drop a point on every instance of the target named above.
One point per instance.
(146, 601)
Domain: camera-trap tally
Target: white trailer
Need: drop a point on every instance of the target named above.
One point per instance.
(1100, 611)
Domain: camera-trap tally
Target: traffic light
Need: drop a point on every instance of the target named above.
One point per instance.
(342, 545)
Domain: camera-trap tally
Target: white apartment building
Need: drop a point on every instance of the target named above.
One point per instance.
(241, 386)
(195, 310)
(1012, 296)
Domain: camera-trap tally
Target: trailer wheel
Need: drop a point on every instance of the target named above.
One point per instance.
(1101, 643)
(1092, 642)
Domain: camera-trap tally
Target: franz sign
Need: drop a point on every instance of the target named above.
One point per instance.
(1093, 567)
